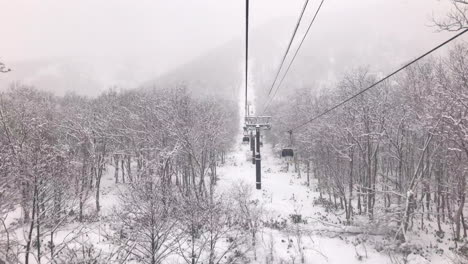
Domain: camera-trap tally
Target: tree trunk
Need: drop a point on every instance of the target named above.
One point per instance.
(116, 166)
(123, 169)
(38, 230)
(350, 189)
(458, 216)
(31, 226)
(129, 168)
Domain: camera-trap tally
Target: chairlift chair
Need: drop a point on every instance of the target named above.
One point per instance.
(252, 144)
(288, 152)
(245, 139)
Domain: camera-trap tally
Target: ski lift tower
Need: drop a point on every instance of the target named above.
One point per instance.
(257, 123)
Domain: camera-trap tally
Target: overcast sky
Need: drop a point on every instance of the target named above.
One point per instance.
(180, 28)
(166, 33)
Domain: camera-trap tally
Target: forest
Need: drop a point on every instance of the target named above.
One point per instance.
(394, 159)
(397, 154)
(163, 143)
(170, 172)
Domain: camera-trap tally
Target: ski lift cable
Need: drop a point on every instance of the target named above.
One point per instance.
(294, 57)
(289, 46)
(378, 82)
(246, 53)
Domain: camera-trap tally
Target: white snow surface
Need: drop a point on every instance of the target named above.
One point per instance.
(284, 193)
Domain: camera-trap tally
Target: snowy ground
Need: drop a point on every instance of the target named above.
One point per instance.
(284, 193)
(323, 238)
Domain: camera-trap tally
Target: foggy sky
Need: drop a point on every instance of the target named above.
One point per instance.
(161, 34)
(175, 29)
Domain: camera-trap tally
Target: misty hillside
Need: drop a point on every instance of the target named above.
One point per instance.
(322, 60)
(84, 76)
(217, 72)
(332, 49)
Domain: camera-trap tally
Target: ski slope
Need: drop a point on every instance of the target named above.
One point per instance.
(284, 193)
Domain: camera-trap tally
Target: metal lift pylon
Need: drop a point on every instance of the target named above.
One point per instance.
(256, 124)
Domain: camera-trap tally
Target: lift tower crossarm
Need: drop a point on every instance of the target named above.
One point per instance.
(264, 122)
